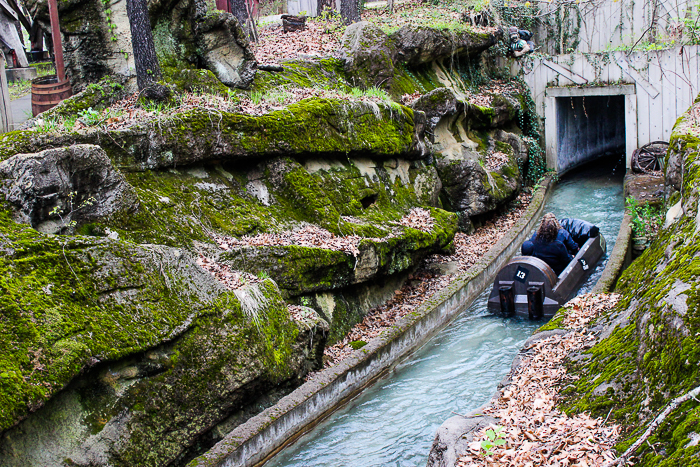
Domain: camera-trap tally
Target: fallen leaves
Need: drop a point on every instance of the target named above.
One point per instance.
(536, 432)
(231, 279)
(419, 219)
(323, 35)
(320, 38)
(308, 236)
(496, 160)
(315, 237)
(470, 248)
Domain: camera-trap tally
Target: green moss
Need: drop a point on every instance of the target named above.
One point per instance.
(194, 80)
(408, 80)
(325, 73)
(96, 95)
(60, 308)
(357, 344)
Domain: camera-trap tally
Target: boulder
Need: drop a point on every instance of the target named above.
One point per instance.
(57, 190)
(437, 104)
(470, 189)
(505, 110)
(417, 45)
(223, 47)
(174, 399)
(453, 437)
(515, 141)
(368, 55)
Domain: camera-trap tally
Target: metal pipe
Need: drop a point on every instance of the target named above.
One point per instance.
(506, 295)
(535, 302)
(56, 39)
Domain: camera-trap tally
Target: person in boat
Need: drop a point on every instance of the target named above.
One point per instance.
(547, 247)
(562, 235)
(579, 229)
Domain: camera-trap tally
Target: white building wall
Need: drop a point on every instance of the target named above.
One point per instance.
(661, 86)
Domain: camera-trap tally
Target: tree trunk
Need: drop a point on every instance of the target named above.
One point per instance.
(325, 6)
(239, 11)
(390, 4)
(147, 68)
(350, 11)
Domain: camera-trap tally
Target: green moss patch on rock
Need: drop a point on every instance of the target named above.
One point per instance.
(159, 404)
(324, 72)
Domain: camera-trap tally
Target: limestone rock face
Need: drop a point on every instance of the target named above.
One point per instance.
(631, 371)
(368, 55)
(416, 45)
(57, 190)
(472, 190)
(463, 137)
(437, 104)
(300, 270)
(308, 128)
(149, 409)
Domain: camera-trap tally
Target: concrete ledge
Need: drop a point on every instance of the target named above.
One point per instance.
(263, 435)
(620, 258)
(578, 91)
(20, 74)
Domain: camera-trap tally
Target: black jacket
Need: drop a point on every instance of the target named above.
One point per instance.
(579, 229)
(564, 237)
(553, 253)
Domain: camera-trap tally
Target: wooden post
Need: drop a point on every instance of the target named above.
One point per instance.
(224, 5)
(6, 121)
(56, 36)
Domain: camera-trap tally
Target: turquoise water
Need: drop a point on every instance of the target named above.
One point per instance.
(393, 423)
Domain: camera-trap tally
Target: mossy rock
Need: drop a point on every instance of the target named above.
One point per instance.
(309, 127)
(154, 407)
(324, 72)
(416, 45)
(648, 349)
(70, 302)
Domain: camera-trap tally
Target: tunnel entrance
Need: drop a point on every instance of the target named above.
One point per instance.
(583, 124)
(589, 127)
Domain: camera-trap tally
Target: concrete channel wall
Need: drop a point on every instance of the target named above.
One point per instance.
(265, 434)
(620, 258)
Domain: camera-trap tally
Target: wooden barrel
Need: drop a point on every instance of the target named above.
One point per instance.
(47, 92)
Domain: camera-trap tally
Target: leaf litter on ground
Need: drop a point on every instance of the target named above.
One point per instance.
(537, 433)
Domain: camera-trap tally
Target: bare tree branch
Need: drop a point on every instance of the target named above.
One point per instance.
(653, 426)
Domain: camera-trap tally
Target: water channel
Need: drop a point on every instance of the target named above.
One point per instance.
(393, 423)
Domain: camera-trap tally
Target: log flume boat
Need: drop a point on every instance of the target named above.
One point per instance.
(528, 287)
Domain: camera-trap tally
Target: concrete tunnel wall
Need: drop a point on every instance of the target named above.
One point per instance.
(588, 127)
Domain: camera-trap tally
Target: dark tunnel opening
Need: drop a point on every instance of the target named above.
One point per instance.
(589, 127)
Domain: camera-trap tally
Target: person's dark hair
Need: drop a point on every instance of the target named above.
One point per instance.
(551, 215)
(548, 230)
